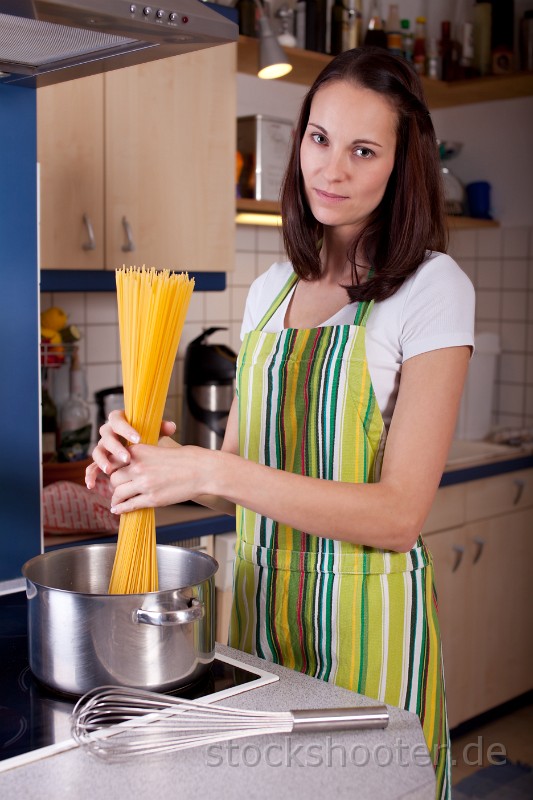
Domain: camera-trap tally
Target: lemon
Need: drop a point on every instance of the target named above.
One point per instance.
(54, 318)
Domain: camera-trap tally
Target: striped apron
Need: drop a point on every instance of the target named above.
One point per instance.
(360, 617)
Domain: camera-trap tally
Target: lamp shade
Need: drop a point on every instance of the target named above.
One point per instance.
(273, 63)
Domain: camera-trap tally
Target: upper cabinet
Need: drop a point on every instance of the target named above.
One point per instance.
(306, 65)
(137, 166)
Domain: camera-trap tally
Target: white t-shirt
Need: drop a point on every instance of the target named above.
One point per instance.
(433, 308)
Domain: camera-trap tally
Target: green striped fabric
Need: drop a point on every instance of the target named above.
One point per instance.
(361, 617)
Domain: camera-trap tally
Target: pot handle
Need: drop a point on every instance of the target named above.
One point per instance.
(181, 616)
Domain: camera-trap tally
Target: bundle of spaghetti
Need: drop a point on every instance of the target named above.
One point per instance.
(152, 306)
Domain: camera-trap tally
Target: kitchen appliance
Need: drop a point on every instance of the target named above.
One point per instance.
(81, 637)
(47, 41)
(209, 387)
(263, 143)
(114, 723)
(35, 721)
(108, 400)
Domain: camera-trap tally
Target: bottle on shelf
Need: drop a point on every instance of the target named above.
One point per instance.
(74, 417)
(299, 26)
(247, 17)
(351, 31)
(526, 41)
(49, 430)
(482, 37)
(311, 30)
(393, 29)
(502, 36)
(407, 39)
(433, 63)
(337, 21)
(419, 46)
(375, 33)
(447, 72)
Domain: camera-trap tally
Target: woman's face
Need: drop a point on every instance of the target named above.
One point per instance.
(347, 154)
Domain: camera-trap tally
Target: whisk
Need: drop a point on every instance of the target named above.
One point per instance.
(115, 723)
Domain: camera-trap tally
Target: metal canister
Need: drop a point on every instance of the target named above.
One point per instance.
(209, 387)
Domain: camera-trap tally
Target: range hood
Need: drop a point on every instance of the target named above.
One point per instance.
(48, 41)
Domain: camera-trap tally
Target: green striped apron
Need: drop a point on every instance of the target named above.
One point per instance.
(360, 617)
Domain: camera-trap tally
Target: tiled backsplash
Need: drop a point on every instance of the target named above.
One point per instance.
(498, 260)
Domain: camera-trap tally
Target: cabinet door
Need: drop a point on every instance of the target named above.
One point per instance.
(482, 580)
(70, 151)
(500, 601)
(449, 551)
(170, 162)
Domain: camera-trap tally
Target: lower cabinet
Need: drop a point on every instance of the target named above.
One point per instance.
(482, 567)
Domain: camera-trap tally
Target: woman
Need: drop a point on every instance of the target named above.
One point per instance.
(349, 379)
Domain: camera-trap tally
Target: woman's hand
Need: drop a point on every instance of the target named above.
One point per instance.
(160, 476)
(111, 453)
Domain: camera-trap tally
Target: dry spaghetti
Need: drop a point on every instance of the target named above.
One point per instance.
(152, 306)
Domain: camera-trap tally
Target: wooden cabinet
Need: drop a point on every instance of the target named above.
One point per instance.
(70, 151)
(481, 537)
(143, 159)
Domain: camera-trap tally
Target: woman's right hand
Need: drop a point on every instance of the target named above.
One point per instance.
(111, 453)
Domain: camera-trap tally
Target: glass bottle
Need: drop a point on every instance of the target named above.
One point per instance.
(74, 418)
(337, 21)
(351, 30)
(375, 34)
(482, 37)
(247, 25)
(419, 46)
(393, 30)
(407, 39)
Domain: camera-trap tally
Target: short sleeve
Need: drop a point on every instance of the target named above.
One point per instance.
(439, 309)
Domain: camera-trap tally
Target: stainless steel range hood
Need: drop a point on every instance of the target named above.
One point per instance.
(48, 41)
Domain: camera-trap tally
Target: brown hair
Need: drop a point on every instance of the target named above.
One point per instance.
(410, 219)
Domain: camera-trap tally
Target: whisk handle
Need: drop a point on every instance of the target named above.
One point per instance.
(340, 719)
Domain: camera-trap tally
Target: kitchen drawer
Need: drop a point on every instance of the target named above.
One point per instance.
(448, 509)
(499, 495)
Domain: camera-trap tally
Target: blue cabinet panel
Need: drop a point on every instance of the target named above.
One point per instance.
(20, 515)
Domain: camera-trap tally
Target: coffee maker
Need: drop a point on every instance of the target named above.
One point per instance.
(209, 387)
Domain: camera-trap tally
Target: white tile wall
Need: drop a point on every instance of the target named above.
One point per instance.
(499, 261)
(503, 277)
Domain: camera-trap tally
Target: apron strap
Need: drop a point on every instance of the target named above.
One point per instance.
(361, 315)
(278, 300)
(363, 312)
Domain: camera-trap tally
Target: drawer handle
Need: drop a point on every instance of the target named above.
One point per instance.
(91, 243)
(520, 486)
(480, 544)
(459, 551)
(129, 247)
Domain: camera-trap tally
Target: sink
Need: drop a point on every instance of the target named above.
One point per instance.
(464, 451)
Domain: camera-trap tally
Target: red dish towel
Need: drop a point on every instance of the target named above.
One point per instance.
(72, 508)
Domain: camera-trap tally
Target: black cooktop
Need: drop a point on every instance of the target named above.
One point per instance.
(33, 716)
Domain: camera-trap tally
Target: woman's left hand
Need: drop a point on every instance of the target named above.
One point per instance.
(159, 476)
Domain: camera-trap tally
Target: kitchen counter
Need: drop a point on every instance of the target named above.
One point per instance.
(392, 762)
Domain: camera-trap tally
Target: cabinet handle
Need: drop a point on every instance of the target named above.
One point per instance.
(91, 243)
(480, 544)
(129, 247)
(520, 486)
(459, 551)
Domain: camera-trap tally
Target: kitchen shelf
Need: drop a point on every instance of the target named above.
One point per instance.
(440, 94)
(249, 206)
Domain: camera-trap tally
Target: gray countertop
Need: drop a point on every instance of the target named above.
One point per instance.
(390, 763)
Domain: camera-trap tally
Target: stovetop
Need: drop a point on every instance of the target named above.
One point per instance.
(35, 721)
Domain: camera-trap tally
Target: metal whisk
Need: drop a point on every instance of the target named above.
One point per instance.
(114, 723)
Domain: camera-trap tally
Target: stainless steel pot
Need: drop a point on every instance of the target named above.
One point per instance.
(81, 637)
